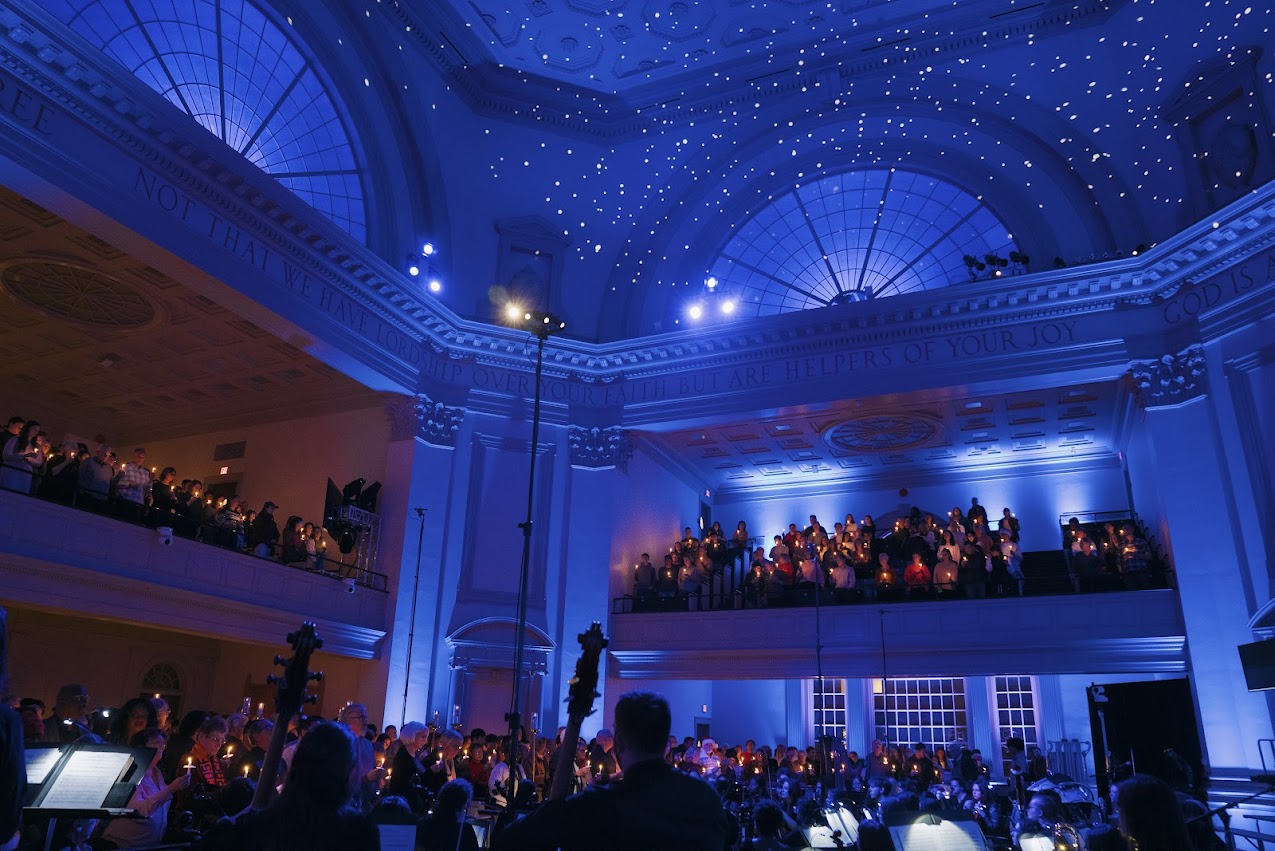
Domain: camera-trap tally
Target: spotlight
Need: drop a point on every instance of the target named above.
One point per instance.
(413, 267)
(696, 311)
(435, 285)
(728, 306)
(512, 310)
(711, 283)
(526, 317)
(428, 249)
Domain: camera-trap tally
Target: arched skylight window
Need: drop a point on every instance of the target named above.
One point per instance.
(854, 236)
(245, 79)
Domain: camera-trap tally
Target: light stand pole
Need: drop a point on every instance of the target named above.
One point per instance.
(823, 695)
(885, 684)
(541, 325)
(411, 627)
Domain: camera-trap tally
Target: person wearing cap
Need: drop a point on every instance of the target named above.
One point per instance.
(263, 534)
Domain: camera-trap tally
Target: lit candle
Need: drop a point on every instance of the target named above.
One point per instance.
(245, 771)
(190, 763)
(230, 751)
(261, 708)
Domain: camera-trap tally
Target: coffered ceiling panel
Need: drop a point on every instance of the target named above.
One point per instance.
(94, 341)
(931, 433)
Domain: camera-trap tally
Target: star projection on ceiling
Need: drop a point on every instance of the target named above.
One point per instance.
(854, 236)
(243, 77)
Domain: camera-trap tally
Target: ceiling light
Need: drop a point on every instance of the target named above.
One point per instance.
(428, 249)
(512, 310)
(696, 311)
(435, 285)
(413, 270)
(728, 306)
(711, 283)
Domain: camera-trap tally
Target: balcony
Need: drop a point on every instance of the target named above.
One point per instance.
(60, 558)
(1118, 632)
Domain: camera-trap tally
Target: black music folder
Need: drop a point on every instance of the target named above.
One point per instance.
(84, 780)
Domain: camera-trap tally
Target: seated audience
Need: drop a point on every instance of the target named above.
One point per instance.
(151, 799)
(445, 828)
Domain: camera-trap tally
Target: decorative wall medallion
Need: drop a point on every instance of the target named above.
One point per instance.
(881, 433)
(80, 294)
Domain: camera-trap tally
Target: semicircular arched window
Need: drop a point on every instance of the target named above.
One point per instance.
(246, 79)
(855, 236)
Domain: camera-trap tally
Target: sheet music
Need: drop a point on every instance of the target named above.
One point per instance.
(86, 780)
(397, 837)
(944, 836)
(40, 762)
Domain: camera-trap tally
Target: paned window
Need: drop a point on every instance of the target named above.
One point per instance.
(931, 711)
(246, 79)
(859, 235)
(829, 705)
(1016, 711)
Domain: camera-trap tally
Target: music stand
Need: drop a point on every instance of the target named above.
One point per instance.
(87, 781)
(949, 831)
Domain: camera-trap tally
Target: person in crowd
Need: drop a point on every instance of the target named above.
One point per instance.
(946, 572)
(920, 768)
(162, 712)
(263, 533)
(508, 777)
(446, 765)
(602, 757)
(354, 717)
(63, 472)
(644, 578)
(651, 807)
(999, 579)
(690, 583)
(132, 486)
(983, 807)
(136, 715)
(1135, 560)
(916, 576)
(976, 513)
(779, 549)
(1150, 816)
(293, 546)
(445, 828)
(885, 579)
(843, 579)
(688, 546)
(1009, 523)
(973, 571)
(22, 458)
(248, 760)
(151, 799)
(70, 719)
(203, 759)
(739, 540)
(1044, 810)
(228, 522)
(1087, 568)
(312, 812)
(405, 766)
(1013, 556)
(163, 498)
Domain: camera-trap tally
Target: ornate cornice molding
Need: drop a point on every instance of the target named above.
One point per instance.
(1171, 379)
(599, 448)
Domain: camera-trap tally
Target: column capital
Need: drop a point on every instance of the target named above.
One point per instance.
(599, 448)
(1171, 379)
(418, 416)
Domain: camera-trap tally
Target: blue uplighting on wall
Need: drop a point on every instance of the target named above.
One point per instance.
(862, 234)
(245, 79)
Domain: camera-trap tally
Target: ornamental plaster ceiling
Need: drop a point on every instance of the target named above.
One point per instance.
(900, 438)
(94, 341)
(640, 48)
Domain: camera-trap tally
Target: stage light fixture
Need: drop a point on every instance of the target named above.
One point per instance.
(711, 283)
(511, 311)
(728, 306)
(428, 249)
(696, 311)
(435, 285)
(413, 266)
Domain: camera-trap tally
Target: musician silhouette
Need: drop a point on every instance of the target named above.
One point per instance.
(653, 806)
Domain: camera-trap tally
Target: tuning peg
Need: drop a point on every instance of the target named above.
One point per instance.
(278, 660)
(311, 698)
(271, 679)
(316, 676)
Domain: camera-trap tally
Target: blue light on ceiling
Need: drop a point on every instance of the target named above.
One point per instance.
(246, 80)
(862, 234)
